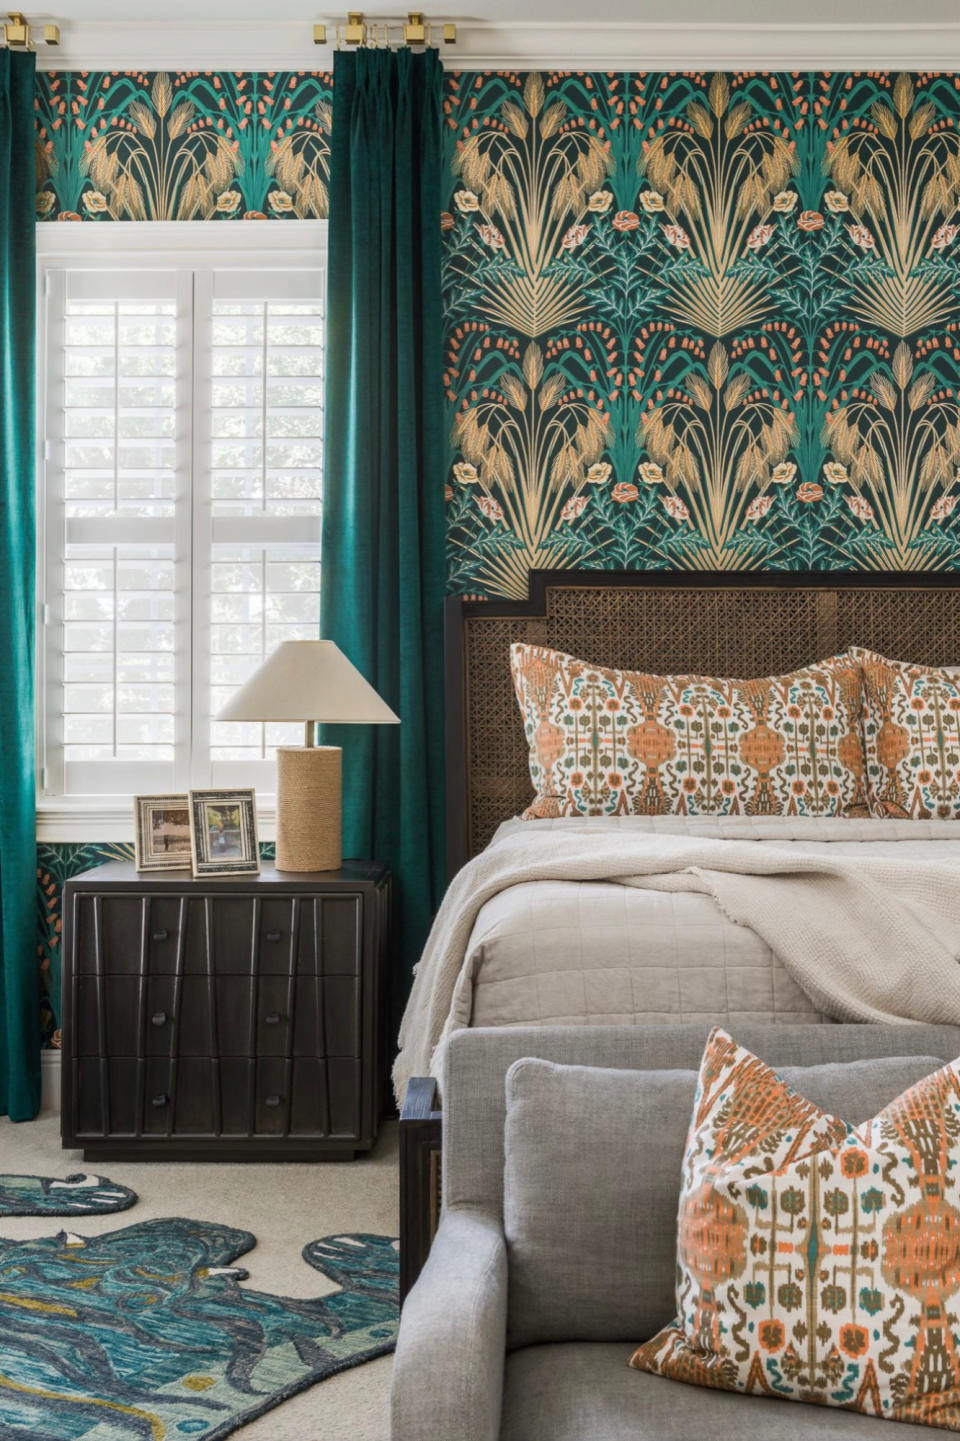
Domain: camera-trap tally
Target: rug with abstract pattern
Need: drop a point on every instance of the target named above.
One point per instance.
(145, 1332)
(79, 1195)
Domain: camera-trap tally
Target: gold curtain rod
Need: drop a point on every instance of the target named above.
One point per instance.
(356, 30)
(19, 34)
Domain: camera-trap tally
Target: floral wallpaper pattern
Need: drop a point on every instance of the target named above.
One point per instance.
(701, 322)
(182, 145)
(692, 321)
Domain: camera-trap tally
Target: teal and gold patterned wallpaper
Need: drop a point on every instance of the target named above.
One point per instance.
(183, 145)
(701, 322)
(693, 321)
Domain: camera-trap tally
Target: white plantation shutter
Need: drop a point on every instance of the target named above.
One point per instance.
(117, 482)
(183, 465)
(262, 349)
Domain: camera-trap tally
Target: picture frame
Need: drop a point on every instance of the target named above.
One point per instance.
(223, 833)
(161, 832)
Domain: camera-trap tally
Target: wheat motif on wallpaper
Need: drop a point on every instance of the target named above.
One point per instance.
(530, 176)
(183, 146)
(717, 174)
(701, 322)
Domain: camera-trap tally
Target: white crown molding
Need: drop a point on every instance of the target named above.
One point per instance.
(640, 46)
(163, 45)
(485, 45)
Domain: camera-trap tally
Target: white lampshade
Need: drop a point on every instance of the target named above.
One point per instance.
(308, 680)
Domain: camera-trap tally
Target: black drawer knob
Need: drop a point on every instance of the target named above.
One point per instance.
(159, 1101)
(272, 1101)
(272, 1018)
(160, 935)
(273, 935)
(159, 1018)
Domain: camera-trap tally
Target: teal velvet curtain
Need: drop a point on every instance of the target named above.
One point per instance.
(383, 524)
(19, 982)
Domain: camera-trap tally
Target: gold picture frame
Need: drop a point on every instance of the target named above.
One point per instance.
(161, 832)
(223, 833)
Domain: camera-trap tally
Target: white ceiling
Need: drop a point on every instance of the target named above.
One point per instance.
(869, 13)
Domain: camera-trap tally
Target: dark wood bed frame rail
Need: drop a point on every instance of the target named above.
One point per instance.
(421, 1144)
(670, 622)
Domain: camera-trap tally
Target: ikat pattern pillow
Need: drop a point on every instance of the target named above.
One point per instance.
(911, 732)
(815, 1261)
(612, 742)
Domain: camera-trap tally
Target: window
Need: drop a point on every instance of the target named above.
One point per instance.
(183, 405)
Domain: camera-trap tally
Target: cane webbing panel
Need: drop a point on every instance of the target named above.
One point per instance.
(688, 628)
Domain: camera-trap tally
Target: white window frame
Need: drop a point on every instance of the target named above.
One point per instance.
(144, 245)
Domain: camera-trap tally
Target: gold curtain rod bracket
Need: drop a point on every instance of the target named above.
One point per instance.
(357, 30)
(354, 32)
(18, 34)
(415, 32)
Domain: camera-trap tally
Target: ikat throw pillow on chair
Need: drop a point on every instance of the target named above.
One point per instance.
(618, 742)
(911, 731)
(816, 1261)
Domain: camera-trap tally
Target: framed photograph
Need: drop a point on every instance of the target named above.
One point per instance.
(223, 833)
(161, 832)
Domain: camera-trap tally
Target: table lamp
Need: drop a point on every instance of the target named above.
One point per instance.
(309, 681)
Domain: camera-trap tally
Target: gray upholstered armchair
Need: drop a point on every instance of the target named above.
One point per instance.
(555, 1251)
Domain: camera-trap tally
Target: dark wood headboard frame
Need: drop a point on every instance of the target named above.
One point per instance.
(667, 622)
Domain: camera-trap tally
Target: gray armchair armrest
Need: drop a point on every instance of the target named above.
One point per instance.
(448, 1370)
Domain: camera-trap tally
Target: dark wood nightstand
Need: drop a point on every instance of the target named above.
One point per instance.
(235, 1019)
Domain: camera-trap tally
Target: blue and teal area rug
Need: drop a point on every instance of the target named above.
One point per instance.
(75, 1196)
(145, 1333)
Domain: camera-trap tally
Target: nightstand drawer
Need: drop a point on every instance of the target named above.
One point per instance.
(326, 1019)
(229, 935)
(228, 1015)
(120, 1016)
(204, 1099)
(308, 1098)
(128, 934)
(110, 1014)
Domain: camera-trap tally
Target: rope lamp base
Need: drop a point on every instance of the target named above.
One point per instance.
(308, 808)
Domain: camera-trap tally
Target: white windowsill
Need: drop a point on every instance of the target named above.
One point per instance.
(88, 821)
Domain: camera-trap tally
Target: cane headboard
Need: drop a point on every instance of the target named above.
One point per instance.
(669, 623)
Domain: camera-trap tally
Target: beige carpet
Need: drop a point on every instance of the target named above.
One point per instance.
(284, 1207)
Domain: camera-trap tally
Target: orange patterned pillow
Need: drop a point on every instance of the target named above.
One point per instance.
(611, 742)
(817, 1261)
(911, 734)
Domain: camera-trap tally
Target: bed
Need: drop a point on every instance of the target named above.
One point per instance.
(563, 952)
(576, 952)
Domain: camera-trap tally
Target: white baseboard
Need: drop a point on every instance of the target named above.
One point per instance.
(50, 1082)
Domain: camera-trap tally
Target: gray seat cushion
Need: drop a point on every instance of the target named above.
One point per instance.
(586, 1392)
(592, 1179)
